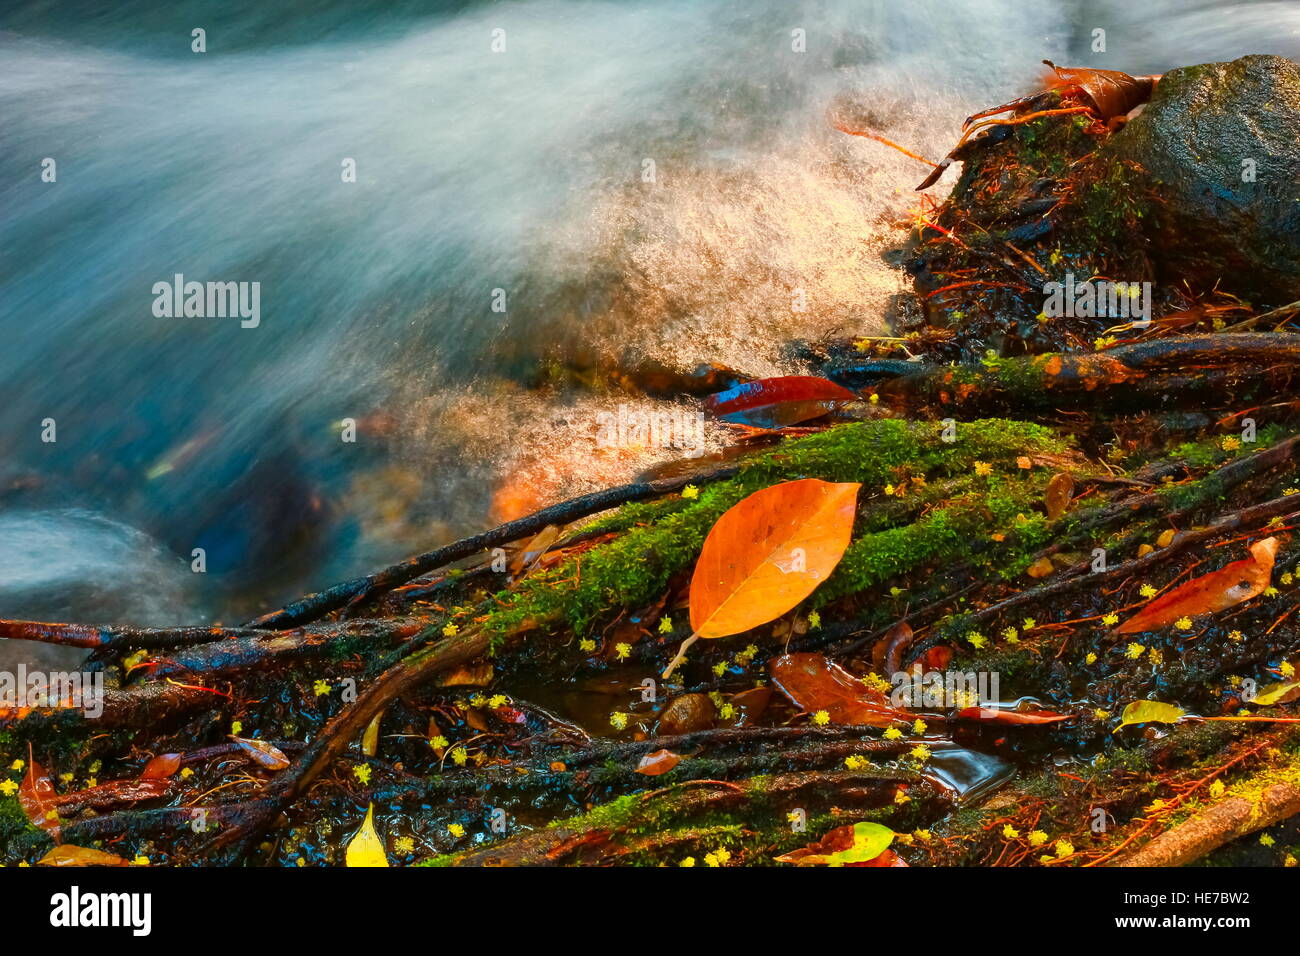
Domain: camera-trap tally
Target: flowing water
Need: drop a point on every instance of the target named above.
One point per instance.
(642, 182)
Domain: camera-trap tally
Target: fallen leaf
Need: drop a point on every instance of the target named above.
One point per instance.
(365, 848)
(860, 844)
(777, 402)
(37, 798)
(814, 683)
(998, 716)
(1041, 568)
(661, 761)
(161, 767)
(1058, 494)
(749, 705)
(1279, 693)
(769, 552)
(263, 753)
(68, 855)
(370, 739)
(1149, 712)
(1216, 591)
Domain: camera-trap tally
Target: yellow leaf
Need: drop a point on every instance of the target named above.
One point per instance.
(1150, 712)
(366, 849)
(370, 739)
(1274, 693)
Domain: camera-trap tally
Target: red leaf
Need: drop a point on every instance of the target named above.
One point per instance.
(780, 401)
(813, 683)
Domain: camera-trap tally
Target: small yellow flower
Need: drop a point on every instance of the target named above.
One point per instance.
(873, 398)
(456, 830)
(1286, 669)
(478, 700)
(450, 630)
(1286, 577)
(140, 860)
(1091, 658)
(889, 490)
(901, 797)
(1156, 657)
(1010, 832)
(320, 688)
(362, 772)
(439, 743)
(1147, 591)
(687, 862)
(718, 857)
(1217, 788)
(587, 645)
(921, 753)
(1183, 623)
(665, 624)
(856, 762)
(1155, 805)
(1265, 840)
(622, 649)
(976, 639)
(236, 727)
(498, 700)
(1288, 492)
(1230, 443)
(922, 835)
(1134, 651)
(1111, 619)
(1235, 635)
(618, 720)
(1101, 714)
(404, 845)
(459, 756)
(821, 718)
(895, 591)
(727, 711)
(690, 491)
(814, 621)
(893, 733)
(1028, 624)
(1011, 635)
(8, 787)
(1037, 837)
(1063, 849)
(1270, 591)
(919, 727)
(983, 469)
(720, 668)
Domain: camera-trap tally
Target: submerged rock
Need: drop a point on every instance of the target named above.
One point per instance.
(1219, 145)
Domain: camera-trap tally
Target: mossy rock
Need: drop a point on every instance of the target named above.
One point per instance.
(1208, 131)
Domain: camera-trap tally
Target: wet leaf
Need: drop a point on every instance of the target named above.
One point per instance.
(68, 855)
(858, 845)
(1111, 92)
(998, 716)
(161, 767)
(749, 706)
(661, 761)
(1058, 494)
(1041, 568)
(768, 553)
(370, 739)
(264, 754)
(365, 848)
(887, 654)
(1150, 712)
(1216, 591)
(37, 798)
(814, 683)
(1279, 693)
(777, 402)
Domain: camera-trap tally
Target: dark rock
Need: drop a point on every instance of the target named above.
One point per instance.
(1193, 140)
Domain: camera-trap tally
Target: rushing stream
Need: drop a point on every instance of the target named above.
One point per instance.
(640, 181)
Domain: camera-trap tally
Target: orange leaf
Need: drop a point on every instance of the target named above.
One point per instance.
(161, 767)
(661, 761)
(768, 553)
(267, 755)
(813, 683)
(1216, 591)
(37, 798)
(68, 855)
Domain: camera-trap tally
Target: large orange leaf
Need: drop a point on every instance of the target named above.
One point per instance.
(768, 553)
(1216, 591)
